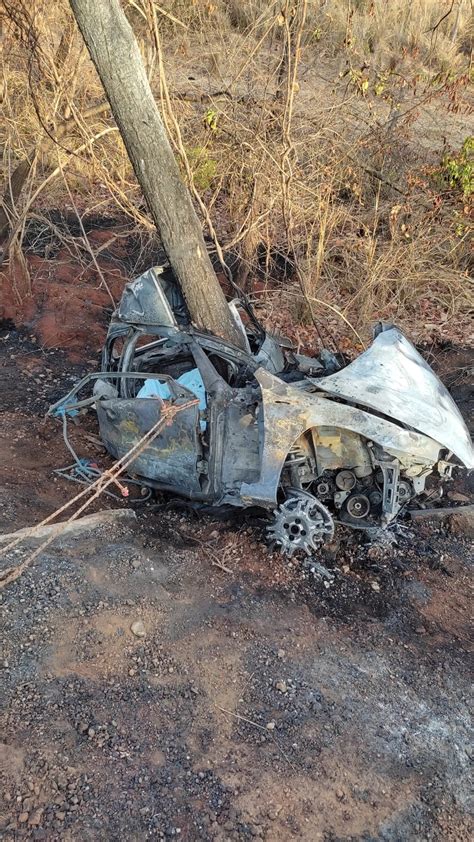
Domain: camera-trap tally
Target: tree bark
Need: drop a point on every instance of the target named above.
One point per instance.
(116, 56)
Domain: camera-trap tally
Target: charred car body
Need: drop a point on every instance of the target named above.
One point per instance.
(308, 439)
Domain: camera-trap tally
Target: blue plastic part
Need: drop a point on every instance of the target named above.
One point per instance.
(62, 409)
(191, 380)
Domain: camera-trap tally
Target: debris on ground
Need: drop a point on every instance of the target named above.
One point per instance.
(319, 570)
(462, 522)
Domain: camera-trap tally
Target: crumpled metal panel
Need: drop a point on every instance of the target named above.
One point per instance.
(392, 378)
(144, 302)
(288, 412)
(270, 355)
(172, 456)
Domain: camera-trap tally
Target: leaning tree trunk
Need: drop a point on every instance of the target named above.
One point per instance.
(116, 56)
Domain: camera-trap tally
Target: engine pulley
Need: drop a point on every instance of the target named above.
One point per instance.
(358, 506)
(345, 480)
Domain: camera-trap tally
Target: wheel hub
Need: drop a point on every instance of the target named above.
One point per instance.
(302, 522)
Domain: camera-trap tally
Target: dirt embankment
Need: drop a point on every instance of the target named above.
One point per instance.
(65, 298)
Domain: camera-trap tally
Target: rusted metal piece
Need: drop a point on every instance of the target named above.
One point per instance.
(360, 440)
(441, 513)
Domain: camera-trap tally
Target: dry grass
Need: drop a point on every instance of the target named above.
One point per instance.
(328, 175)
(389, 31)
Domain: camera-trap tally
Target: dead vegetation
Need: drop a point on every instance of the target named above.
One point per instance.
(317, 136)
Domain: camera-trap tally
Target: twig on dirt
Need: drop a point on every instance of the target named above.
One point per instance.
(51, 176)
(442, 18)
(333, 309)
(262, 728)
(214, 559)
(107, 516)
(162, 11)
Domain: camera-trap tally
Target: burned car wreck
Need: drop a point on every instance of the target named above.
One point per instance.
(311, 440)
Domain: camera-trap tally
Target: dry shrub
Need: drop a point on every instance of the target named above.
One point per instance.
(429, 30)
(358, 222)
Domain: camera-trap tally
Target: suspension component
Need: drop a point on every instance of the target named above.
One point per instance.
(296, 465)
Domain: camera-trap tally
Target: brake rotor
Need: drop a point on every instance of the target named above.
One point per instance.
(302, 522)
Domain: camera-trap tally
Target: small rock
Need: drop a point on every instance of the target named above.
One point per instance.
(138, 629)
(23, 817)
(270, 726)
(281, 654)
(339, 794)
(281, 686)
(91, 732)
(135, 563)
(375, 586)
(35, 818)
(60, 815)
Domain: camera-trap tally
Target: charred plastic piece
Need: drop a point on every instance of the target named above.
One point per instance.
(310, 439)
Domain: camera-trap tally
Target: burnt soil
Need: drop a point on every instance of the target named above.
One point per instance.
(263, 702)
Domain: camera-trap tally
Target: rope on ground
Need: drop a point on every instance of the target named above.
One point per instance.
(85, 472)
(101, 483)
